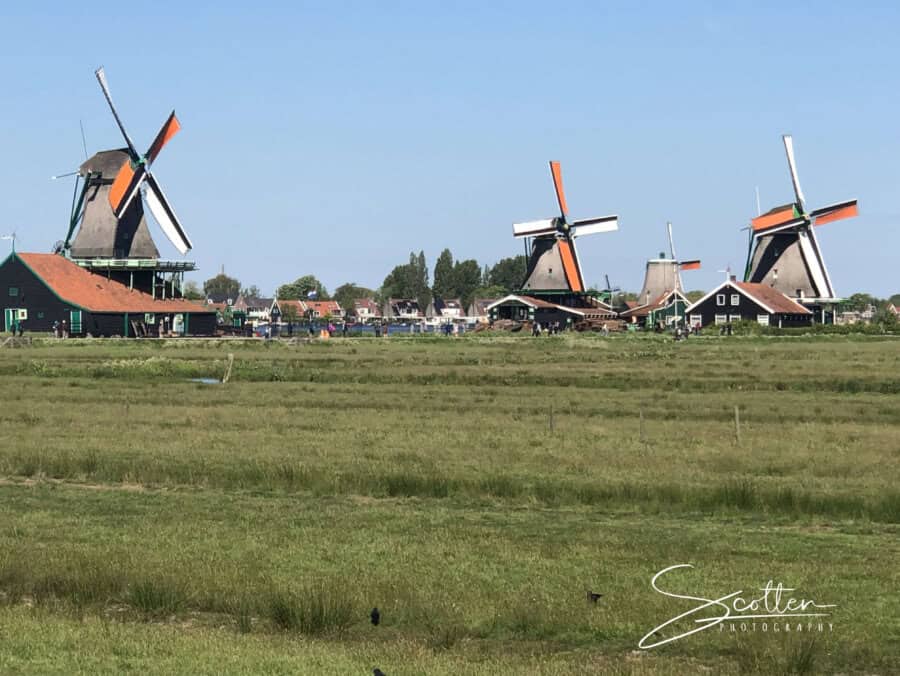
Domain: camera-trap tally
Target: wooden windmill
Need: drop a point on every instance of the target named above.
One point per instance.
(110, 212)
(663, 275)
(784, 252)
(553, 260)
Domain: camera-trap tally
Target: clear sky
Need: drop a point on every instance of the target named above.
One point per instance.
(334, 137)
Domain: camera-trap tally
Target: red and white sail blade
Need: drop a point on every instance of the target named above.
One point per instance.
(589, 226)
(570, 265)
(169, 129)
(792, 224)
(689, 265)
(776, 217)
(545, 226)
(163, 214)
(835, 212)
(125, 187)
(556, 172)
(789, 149)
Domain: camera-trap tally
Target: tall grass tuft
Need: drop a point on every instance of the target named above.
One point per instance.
(155, 598)
(313, 612)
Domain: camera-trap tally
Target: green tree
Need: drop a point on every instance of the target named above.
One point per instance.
(886, 318)
(895, 300)
(488, 292)
(345, 294)
(408, 281)
(508, 273)
(444, 284)
(222, 285)
(289, 314)
(251, 291)
(301, 286)
(694, 296)
(423, 288)
(192, 290)
(860, 301)
(467, 278)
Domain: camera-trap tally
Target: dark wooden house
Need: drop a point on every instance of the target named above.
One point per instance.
(39, 290)
(734, 301)
(523, 308)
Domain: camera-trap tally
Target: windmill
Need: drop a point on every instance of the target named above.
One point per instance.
(664, 274)
(109, 210)
(784, 252)
(553, 261)
(610, 291)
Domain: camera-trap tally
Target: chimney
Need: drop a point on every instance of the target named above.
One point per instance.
(732, 278)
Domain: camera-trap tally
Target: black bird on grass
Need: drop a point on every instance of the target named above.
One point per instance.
(377, 672)
(376, 616)
(593, 597)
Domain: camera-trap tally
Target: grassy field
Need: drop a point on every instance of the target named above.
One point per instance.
(473, 489)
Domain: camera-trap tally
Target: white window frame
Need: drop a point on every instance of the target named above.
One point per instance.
(762, 320)
(735, 299)
(696, 320)
(720, 299)
(735, 318)
(721, 319)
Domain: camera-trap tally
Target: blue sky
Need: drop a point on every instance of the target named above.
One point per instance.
(334, 137)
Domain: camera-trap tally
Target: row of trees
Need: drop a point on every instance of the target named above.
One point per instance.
(465, 280)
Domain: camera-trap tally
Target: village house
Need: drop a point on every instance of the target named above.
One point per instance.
(365, 310)
(478, 310)
(255, 310)
(402, 309)
(734, 301)
(667, 308)
(43, 290)
(321, 309)
(441, 311)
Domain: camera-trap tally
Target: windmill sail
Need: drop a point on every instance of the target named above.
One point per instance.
(553, 264)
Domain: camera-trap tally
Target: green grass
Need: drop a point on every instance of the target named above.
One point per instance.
(162, 525)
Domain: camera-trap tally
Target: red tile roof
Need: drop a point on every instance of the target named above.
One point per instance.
(92, 292)
(324, 307)
(772, 298)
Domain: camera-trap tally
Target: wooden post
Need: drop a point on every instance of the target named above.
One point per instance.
(551, 418)
(228, 368)
(641, 425)
(737, 425)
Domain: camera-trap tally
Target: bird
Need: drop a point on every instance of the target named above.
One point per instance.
(377, 672)
(593, 597)
(376, 616)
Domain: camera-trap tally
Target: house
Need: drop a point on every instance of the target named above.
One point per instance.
(478, 310)
(665, 309)
(39, 290)
(442, 311)
(366, 310)
(318, 309)
(287, 311)
(402, 309)
(528, 308)
(256, 310)
(734, 301)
